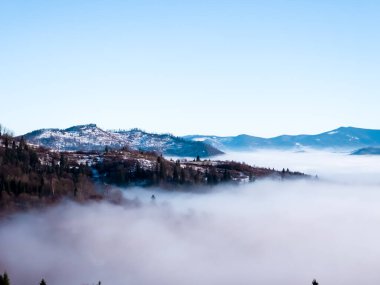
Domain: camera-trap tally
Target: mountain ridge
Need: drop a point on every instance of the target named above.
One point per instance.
(367, 151)
(90, 137)
(345, 138)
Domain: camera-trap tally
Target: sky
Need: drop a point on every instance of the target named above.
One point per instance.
(263, 68)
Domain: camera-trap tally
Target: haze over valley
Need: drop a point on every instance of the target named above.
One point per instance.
(193, 142)
(266, 232)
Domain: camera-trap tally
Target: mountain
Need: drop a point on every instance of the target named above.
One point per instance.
(32, 177)
(367, 151)
(91, 137)
(83, 137)
(344, 138)
(165, 143)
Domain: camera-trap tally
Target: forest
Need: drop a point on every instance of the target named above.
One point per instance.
(32, 176)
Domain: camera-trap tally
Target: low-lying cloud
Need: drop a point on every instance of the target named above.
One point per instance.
(268, 232)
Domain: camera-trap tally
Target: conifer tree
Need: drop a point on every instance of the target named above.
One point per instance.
(5, 280)
(6, 142)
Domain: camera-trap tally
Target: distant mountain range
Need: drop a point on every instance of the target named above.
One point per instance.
(90, 137)
(367, 151)
(344, 138)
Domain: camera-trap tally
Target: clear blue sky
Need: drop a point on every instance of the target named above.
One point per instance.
(212, 67)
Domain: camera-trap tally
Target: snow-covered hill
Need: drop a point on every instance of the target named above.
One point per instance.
(90, 137)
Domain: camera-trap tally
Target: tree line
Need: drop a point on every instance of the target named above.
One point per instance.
(29, 175)
(4, 280)
(119, 171)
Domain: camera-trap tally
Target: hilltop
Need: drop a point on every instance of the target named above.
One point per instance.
(92, 138)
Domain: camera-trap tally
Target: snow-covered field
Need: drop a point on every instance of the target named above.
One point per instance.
(268, 232)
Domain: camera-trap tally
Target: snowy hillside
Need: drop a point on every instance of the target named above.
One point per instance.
(165, 143)
(83, 137)
(90, 137)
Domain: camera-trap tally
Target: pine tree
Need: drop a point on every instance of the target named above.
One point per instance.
(22, 143)
(226, 175)
(175, 174)
(183, 176)
(6, 142)
(43, 282)
(5, 280)
(62, 162)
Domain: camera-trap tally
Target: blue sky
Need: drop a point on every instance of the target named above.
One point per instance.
(212, 67)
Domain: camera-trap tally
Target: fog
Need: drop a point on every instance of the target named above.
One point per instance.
(267, 232)
(336, 167)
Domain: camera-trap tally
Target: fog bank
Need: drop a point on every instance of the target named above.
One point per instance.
(336, 167)
(268, 232)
